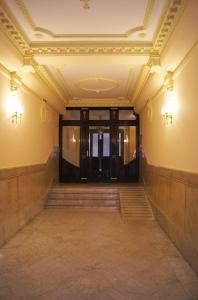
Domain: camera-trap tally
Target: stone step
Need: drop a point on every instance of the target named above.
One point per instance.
(96, 203)
(130, 199)
(83, 196)
(86, 208)
(84, 190)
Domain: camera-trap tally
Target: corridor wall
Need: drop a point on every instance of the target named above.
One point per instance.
(28, 149)
(169, 151)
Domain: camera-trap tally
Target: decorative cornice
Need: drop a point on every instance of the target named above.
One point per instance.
(174, 12)
(149, 10)
(12, 29)
(92, 50)
(103, 102)
(173, 75)
(9, 27)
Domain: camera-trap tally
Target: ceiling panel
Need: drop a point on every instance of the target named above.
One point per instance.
(66, 20)
(106, 52)
(98, 81)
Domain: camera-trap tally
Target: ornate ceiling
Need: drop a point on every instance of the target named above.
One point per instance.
(92, 55)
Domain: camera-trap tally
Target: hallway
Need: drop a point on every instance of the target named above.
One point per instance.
(80, 255)
(98, 155)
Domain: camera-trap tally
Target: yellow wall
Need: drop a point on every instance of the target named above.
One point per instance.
(30, 142)
(174, 146)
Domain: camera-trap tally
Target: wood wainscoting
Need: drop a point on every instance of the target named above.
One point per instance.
(173, 196)
(23, 192)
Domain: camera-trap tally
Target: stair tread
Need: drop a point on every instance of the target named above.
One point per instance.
(131, 200)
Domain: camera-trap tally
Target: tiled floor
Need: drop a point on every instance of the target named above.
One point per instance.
(76, 255)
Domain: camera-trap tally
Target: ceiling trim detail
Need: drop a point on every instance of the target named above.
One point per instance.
(65, 84)
(92, 50)
(14, 31)
(168, 25)
(128, 84)
(81, 84)
(147, 17)
(17, 37)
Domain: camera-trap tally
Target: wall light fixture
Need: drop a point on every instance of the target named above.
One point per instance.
(15, 109)
(85, 4)
(169, 109)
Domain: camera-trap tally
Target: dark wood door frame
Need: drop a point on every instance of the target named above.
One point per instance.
(113, 123)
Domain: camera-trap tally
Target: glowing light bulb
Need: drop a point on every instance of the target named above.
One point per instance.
(13, 107)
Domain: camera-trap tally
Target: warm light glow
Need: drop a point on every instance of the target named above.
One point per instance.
(73, 139)
(126, 139)
(14, 108)
(172, 103)
(169, 110)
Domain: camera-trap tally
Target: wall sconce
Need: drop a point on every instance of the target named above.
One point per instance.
(85, 4)
(126, 139)
(14, 107)
(168, 111)
(73, 137)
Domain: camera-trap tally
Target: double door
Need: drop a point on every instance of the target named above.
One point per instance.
(99, 153)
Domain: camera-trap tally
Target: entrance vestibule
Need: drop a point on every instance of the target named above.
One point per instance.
(99, 144)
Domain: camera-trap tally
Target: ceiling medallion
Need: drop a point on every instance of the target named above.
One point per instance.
(82, 84)
(85, 4)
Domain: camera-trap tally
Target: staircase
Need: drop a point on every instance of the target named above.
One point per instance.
(83, 197)
(129, 199)
(134, 204)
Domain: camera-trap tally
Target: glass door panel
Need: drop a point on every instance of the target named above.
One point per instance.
(127, 151)
(70, 153)
(99, 152)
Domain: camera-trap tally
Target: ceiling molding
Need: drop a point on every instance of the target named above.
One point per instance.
(128, 84)
(92, 50)
(147, 18)
(140, 83)
(5, 72)
(64, 82)
(44, 74)
(186, 59)
(170, 21)
(10, 28)
(80, 84)
(103, 102)
(18, 37)
(168, 25)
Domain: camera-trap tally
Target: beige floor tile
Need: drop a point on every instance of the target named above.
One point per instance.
(93, 255)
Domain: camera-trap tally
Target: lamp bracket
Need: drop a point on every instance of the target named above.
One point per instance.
(168, 81)
(15, 81)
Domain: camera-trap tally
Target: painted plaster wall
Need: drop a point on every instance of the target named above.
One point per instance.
(32, 141)
(174, 146)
